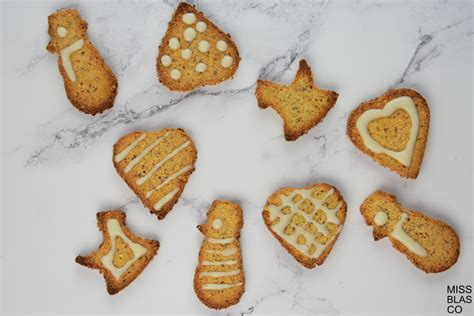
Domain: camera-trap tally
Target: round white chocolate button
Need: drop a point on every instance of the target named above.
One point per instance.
(174, 43)
(217, 224)
(166, 60)
(175, 74)
(221, 45)
(203, 46)
(62, 32)
(201, 67)
(381, 218)
(186, 53)
(201, 26)
(226, 61)
(189, 18)
(189, 34)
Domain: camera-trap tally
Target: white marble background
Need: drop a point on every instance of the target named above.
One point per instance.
(57, 170)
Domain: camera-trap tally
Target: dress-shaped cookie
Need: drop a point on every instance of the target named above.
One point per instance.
(430, 244)
(301, 104)
(156, 166)
(393, 130)
(122, 256)
(90, 84)
(194, 52)
(306, 221)
(219, 280)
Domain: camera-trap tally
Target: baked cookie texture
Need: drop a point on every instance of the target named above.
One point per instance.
(122, 256)
(90, 84)
(430, 244)
(194, 52)
(393, 130)
(219, 280)
(301, 104)
(306, 221)
(156, 166)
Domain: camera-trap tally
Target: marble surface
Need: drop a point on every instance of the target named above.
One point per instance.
(57, 170)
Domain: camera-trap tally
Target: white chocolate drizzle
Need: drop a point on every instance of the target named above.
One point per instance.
(160, 163)
(221, 241)
(145, 152)
(380, 218)
(169, 179)
(165, 199)
(283, 221)
(219, 274)
(219, 263)
(225, 252)
(399, 234)
(66, 58)
(216, 287)
(114, 230)
(124, 153)
(404, 103)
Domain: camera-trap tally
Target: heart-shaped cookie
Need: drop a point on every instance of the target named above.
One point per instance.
(156, 166)
(306, 221)
(393, 130)
(194, 52)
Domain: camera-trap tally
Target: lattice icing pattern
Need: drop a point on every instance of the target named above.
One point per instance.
(306, 219)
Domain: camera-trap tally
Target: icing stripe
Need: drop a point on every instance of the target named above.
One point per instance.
(211, 286)
(158, 205)
(145, 178)
(137, 159)
(169, 179)
(225, 252)
(114, 230)
(124, 153)
(66, 58)
(218, 263)
(218, 274)
(221, 241)
(399, 234)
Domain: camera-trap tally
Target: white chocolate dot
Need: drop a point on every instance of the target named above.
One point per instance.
(226, 61)
(186, 53)
(189, 18)
(221, 45)
(166, 60)
(175, 74)
(201, 26)
(174, 43)
(201, 67)
(217, 224)
(189, 34)
(203, 46)
(381, 218)
(62, 32)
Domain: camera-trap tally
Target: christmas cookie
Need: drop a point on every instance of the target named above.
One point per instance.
(301, 104)
(90, 84)
(219, 280)
(393, 130)
(430, 244)
(194, 52)
(122, 256)
(156, 166)
(306, 221)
